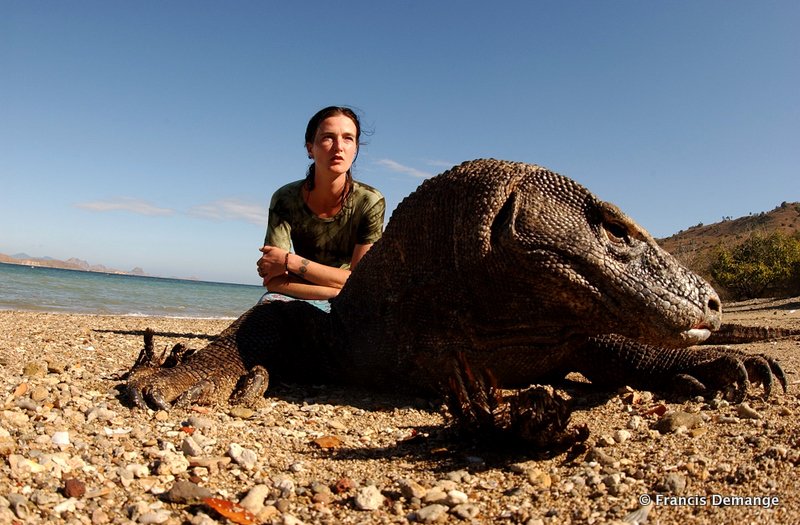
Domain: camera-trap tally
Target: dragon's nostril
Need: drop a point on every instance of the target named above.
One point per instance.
(714, 305)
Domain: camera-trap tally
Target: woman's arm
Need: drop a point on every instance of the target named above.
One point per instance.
(290, 274)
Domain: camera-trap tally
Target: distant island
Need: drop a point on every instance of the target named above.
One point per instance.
(70, 264)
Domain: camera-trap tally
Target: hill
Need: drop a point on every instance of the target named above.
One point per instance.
(69, 264)
(696, 247)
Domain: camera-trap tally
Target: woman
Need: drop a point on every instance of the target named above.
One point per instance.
(330, 219)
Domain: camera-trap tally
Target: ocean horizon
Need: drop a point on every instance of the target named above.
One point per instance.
(75, 291)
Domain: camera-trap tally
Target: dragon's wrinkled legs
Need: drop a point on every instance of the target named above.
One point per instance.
(251, 386)
(536, 416)
(615, 360)
(291, 337)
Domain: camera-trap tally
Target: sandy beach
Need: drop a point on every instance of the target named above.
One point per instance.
(72, 451)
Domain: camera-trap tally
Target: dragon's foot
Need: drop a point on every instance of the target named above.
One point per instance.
(537, 416)
(176, 379)
(614, 360)
(731, 372)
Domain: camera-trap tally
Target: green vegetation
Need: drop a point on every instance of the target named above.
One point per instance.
(759, 265)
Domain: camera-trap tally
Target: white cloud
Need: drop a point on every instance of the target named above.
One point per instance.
(231, 210)
(128, 204)
(400, 168)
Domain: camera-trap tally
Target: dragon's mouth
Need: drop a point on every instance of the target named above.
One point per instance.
(696, 335)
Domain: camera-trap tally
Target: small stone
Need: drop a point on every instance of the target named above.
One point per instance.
(100, 517)
(74, 488)
(68, 505)
(266, 515)
(162, 415)
(19, 505)
(172, 463)
(39, 394)
(411, 489)
(435, 495)
(35, 369)
(154, 517)
(100, 414)
(369, 498)
(621, 436)
(56, 367)
(673, 483)
(286, 486)
(201, 423)
(717, 403)
(190, 447)
(674, 420)
(60, 438)
(432, 513)
(254, 500)
(7, 443)
(539, 478)
(466, 511)
(605, 441)
(744, 411)
(244, 457)
(186, 492)
(343, 485)
(597, 454)
(242, 412)
(44, 498)
(456, 497)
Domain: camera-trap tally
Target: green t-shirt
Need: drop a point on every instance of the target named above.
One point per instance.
(328, 241)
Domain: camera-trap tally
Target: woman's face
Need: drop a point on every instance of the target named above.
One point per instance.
(335, 145)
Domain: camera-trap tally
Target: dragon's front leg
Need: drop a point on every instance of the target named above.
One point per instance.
(615, 360)
(235, 367)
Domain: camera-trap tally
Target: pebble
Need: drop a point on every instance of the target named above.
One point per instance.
(244, 457)
(466, 511)
(242, 412)
(190, 447)
(186, 492)
(254, 500)
(432, 513)
(539, 478)
(369, 498)
(154, 517)
(7, 443)
(455, 497)
(744, 411)
(35, 369)
(74, 488)
(411, 489)
(621, 436)
(672, 483)
(172, 463)
(673, 421)
(435, 495)
(60, 438)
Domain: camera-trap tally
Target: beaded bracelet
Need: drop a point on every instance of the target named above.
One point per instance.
(286, 262)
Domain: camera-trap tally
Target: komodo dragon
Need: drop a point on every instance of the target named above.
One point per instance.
(501, 266)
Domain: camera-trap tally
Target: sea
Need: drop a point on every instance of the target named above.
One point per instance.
(73, 291)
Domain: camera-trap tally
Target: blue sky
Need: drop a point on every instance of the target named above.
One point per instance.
(152, 134)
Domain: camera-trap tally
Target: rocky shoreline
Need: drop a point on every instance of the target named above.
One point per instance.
(73, 452)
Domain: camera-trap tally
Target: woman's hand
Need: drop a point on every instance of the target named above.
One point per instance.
(272, 263)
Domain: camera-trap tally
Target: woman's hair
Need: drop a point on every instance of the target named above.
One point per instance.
(311, 132)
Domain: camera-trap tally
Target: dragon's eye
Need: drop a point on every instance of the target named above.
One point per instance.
(616, 233)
